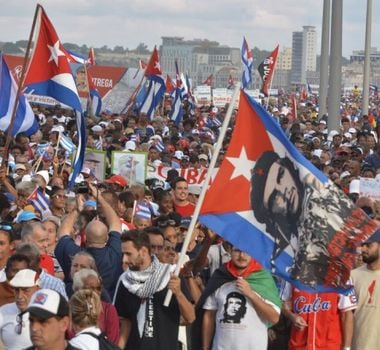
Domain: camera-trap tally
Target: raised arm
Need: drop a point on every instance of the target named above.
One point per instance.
(113, 221)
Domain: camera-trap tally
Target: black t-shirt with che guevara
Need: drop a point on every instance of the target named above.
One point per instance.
(160, 330)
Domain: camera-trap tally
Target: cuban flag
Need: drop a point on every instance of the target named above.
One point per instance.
(272, 203)
(41, 148)
(156, 86)
(247, 60)
(91, 57)
(74, 57)
(169, 86)
(25, 120)
(176, 112)
(143, 210)
(49, 74)
(66, 143)
(40, 202)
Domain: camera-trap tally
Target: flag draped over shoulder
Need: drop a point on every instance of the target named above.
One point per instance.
(269, 201)
(247, 60)
(49, 74)
(156, 86)
(24, 119)
(266, 70)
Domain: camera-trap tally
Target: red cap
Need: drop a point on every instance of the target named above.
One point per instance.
(117, 179)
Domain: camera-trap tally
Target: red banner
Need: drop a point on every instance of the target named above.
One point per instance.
(103, 77)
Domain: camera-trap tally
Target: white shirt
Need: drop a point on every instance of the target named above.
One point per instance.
(86, 341)
(237, 324)
(8, 322)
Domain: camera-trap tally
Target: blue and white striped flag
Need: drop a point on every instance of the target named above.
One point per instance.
(40, 202)
(247, 59)
(41, 148)
(25, 120)
(143, 210)
(156, 88)
(66, 143)
(176, 113)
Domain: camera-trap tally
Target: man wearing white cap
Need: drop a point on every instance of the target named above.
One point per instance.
(14, 329)
(48, 321)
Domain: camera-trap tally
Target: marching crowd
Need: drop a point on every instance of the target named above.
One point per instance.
(89, 267)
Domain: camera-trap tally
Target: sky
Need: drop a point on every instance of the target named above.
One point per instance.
(265, 23)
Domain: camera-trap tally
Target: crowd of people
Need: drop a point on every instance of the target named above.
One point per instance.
(88, 268)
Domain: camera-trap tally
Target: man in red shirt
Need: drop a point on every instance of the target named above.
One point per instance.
(182, 205)
(320, 321)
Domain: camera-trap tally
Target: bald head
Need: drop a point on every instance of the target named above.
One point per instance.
(96, 233)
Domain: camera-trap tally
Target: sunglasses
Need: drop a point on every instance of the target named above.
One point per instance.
(166, 223)
(6, 227)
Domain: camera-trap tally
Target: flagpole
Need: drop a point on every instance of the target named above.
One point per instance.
(90, 111)
(205, 185)
(132, 97)
(19, 88)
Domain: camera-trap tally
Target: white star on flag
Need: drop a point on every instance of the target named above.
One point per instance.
(157, 65)
(242, 165)
(55, 52)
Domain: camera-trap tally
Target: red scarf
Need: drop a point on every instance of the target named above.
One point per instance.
(253, 266)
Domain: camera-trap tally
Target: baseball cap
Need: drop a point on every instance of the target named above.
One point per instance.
(130, 146)
(374, 238)
(203, 156)
(117, 179)
(185, 222)
(47, 303)
(26, 215)
(178, 155)
(44, 174)
(24, 279)
(96, 128)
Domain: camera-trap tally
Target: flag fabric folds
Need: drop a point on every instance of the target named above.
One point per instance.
(25, 120)
(272, 203)
(169, 86)
(40, 202)
(143, 210)
(49, 74)
(156, 86)
(247, 60)
(66, 143)
(176, 112)
(208, 81)
(266, 70)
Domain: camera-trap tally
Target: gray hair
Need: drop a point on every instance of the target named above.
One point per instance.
(80, 276)
(28, 229)
(26, 187)
(89, 257)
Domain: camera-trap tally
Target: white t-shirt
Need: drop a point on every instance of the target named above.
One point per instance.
(3, 277)
(8, 322)
(86, 341)
(237, 325)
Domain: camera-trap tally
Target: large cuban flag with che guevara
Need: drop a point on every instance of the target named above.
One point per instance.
(272, 203)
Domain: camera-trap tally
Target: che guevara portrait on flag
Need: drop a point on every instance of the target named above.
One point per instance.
(301, 214)
(268, 200)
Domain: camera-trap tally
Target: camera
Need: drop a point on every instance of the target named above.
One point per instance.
(81, 188)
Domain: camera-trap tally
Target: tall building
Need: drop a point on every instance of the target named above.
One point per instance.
(199, 58)
(304, 54)
(284, 59)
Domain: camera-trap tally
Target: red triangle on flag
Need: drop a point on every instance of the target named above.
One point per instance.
(230, 190)
(153, 67)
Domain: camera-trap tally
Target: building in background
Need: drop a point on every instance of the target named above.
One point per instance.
(304, 55)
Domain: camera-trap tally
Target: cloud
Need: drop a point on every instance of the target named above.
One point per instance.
(127, 23)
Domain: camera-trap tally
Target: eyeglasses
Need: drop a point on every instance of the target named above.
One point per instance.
(19, 325)
(166, 223)
(60, 196)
